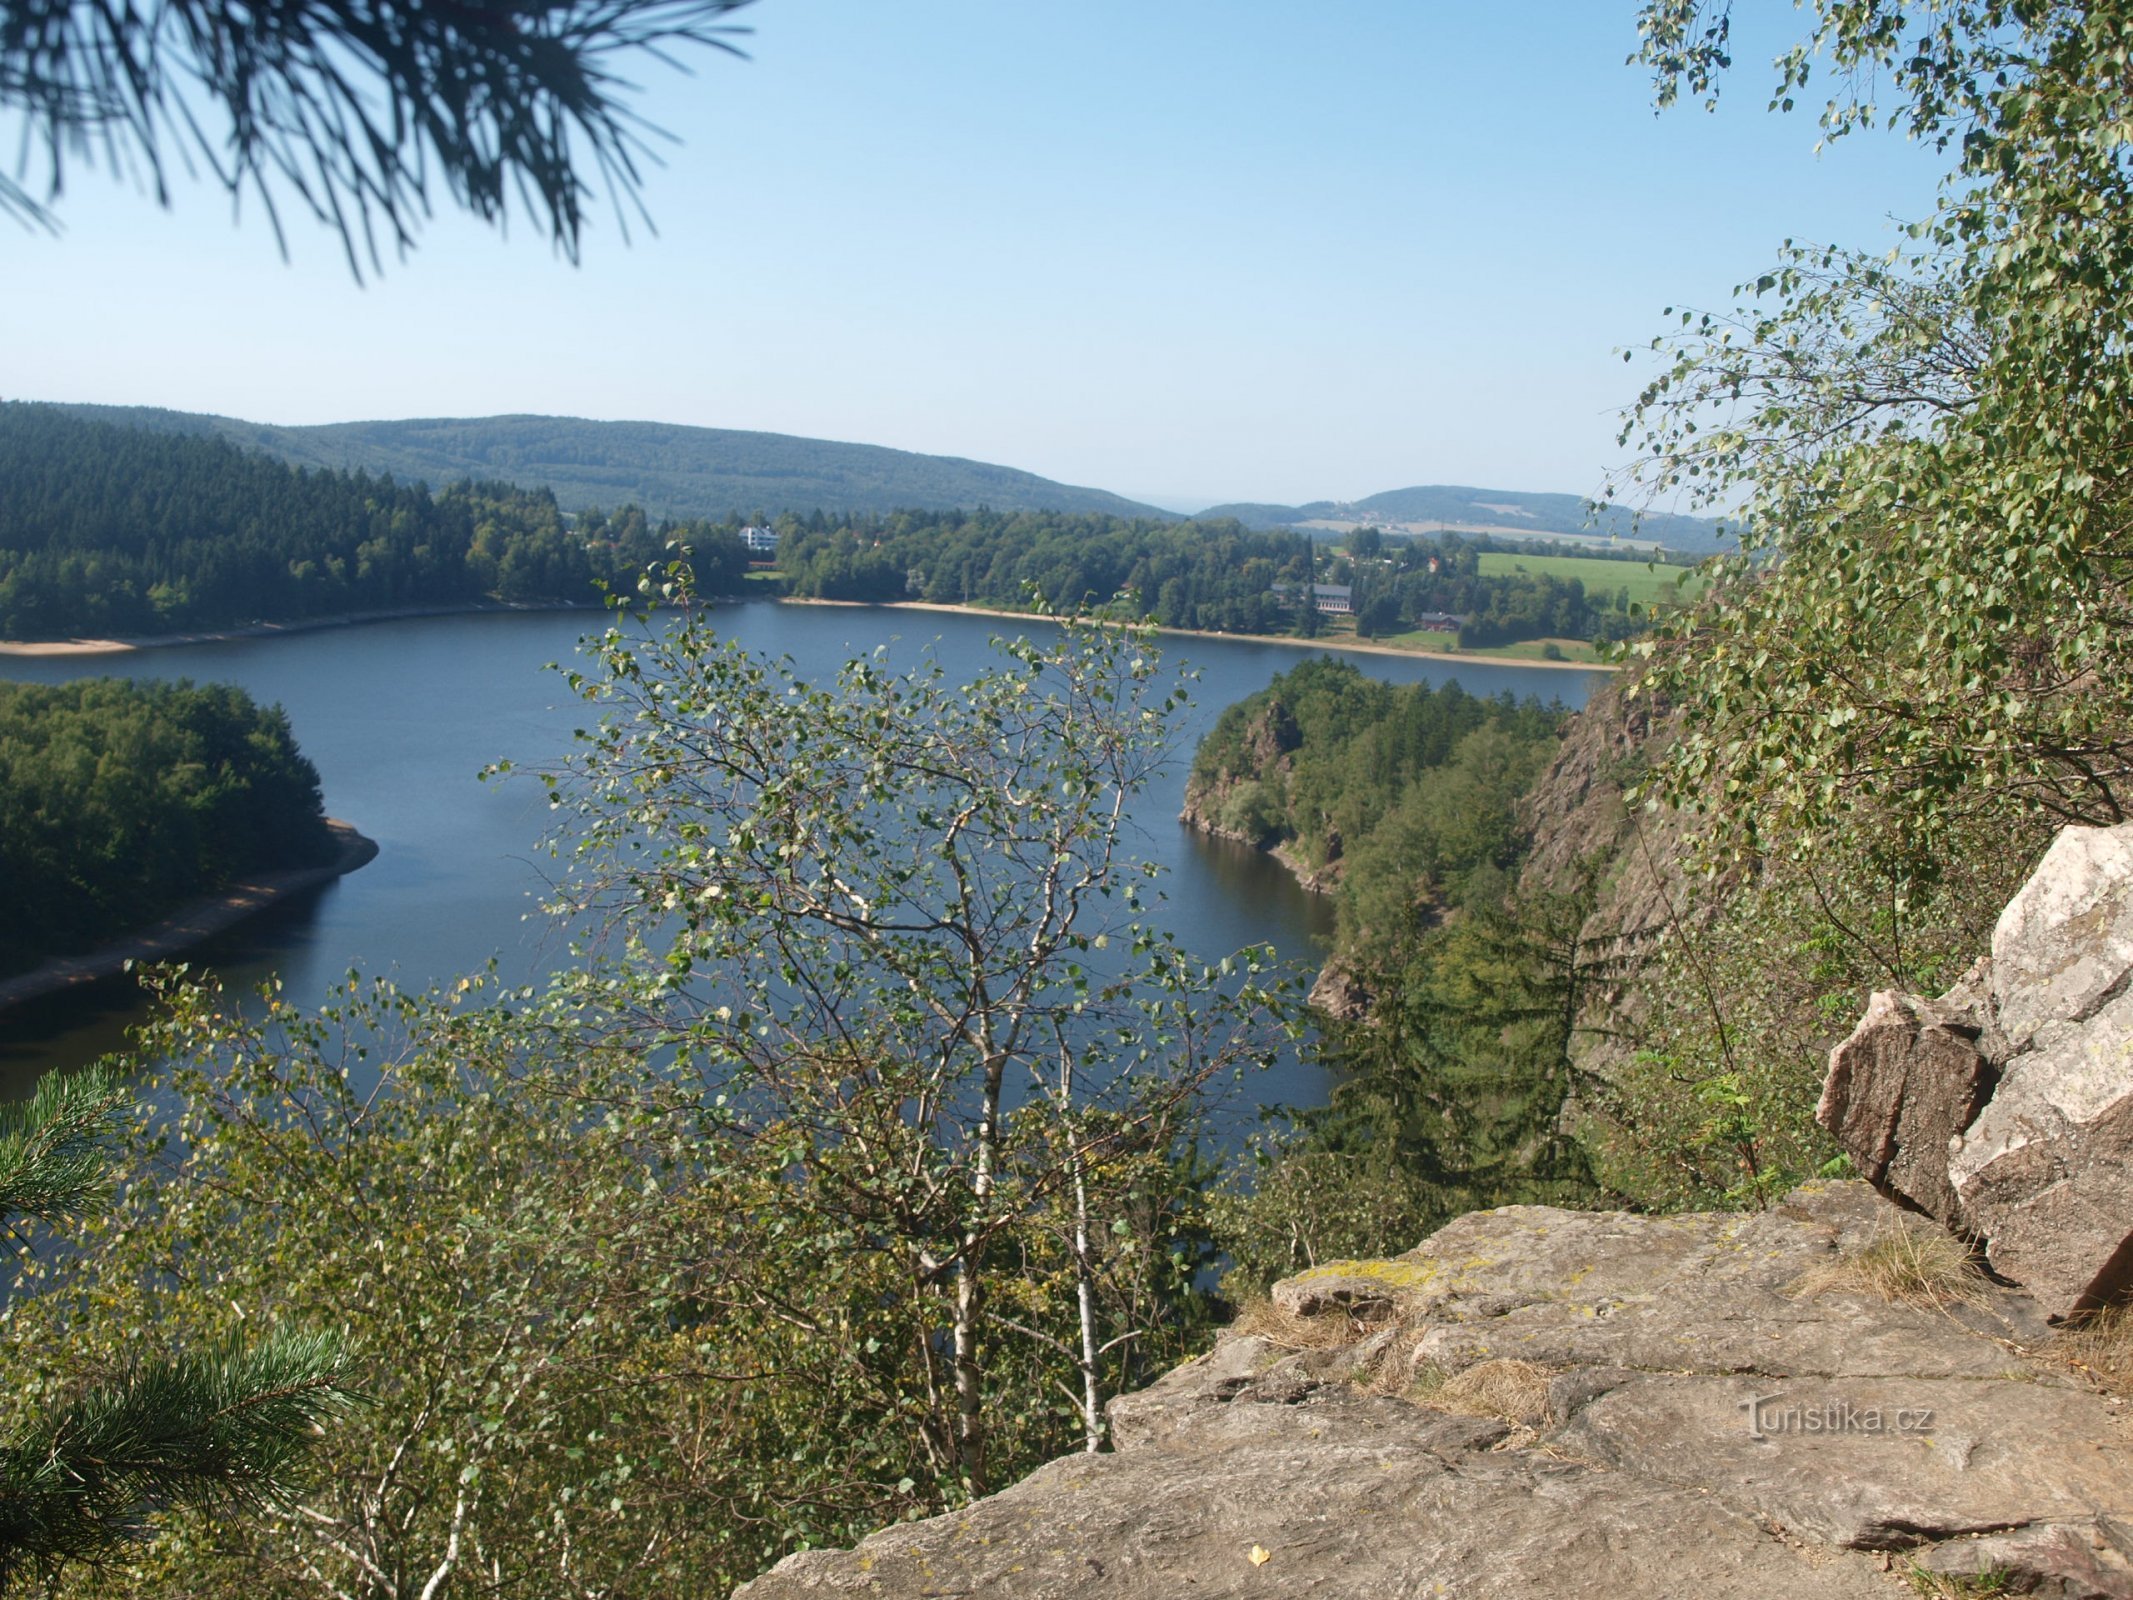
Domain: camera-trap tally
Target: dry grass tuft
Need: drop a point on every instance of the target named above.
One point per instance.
(1263, 1319)
(1912, 1264)
(1515, 1391)
(2100, 1348)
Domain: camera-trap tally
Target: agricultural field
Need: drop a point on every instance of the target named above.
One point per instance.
(1647, 584)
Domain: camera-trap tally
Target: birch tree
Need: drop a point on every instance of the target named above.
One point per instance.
(893, 918)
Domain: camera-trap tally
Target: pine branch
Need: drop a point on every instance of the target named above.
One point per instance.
(215, 1430)
(51, 1155)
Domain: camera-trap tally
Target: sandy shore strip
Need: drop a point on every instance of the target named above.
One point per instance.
(1346, 646)
(183, 929)
(30, 649)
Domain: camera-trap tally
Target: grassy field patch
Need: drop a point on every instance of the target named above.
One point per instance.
(1647, 585)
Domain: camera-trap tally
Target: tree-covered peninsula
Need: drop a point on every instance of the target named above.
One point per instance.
(125, 532)
(124, 800)
(1218, 576)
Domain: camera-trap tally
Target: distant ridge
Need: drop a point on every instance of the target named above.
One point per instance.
(1511, 512)
(670, 470)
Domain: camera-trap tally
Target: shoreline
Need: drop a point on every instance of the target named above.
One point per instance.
(191, 924)
(46, 649)
(1351, 646)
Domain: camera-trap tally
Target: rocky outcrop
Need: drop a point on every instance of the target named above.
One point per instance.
(1545, 1402)
(1909, 1079)
(1627, 862)
(1825, 1398)
(1339, 993)
(2005, 1108)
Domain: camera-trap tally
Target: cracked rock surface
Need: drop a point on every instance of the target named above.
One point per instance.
(1711, 1410)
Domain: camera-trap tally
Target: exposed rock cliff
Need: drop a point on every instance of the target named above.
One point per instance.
(1584, 838)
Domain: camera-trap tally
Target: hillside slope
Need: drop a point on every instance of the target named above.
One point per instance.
(1513, 512)
(669, 470)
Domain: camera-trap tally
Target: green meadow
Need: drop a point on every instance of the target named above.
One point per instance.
(1647, 584)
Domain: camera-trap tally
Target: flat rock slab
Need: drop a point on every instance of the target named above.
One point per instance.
(1721, 1292)
(1342, 1495)
(1719, 1421)
(1878, 1464)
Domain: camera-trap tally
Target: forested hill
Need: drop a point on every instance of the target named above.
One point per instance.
(669, 470)
(1448, 506)
(126, 532)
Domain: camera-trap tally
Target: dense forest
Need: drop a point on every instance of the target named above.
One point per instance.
(1403, 803)
(1371, 786)
(127, 532)
(132, 532)
(127, 799)
(1217, 576)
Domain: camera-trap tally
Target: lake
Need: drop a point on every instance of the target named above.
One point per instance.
(400, 717)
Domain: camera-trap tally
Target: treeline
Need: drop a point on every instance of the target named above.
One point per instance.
(1216, 576)
(1399, 582)
(127, 532)
(124, 800)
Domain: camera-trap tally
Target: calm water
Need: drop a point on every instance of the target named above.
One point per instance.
(400, 717)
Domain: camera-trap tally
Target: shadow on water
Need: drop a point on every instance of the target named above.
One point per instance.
(97, 1019)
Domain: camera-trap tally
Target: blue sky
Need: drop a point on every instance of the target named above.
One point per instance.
(1189, 251)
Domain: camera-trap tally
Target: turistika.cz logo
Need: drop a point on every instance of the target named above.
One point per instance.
(1773, 1416)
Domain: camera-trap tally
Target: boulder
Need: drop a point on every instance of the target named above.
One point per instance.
(2004, 1110)
(2045, 1173)
(2064, 945)
(1910, 1078)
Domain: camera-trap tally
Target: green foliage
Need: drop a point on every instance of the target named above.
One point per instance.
(1191, 575)
(127, 532)
(125, 799)
(1205, 575)
(52, 1145)
(893, 918)
(1452, 1097)
(1756, 975)
(85, 1466)
(596, 1351)
(1933, 618)
(1452, 1091)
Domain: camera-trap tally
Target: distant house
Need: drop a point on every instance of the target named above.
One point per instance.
(1440, 622)
(1334, 599)
(760, 541)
